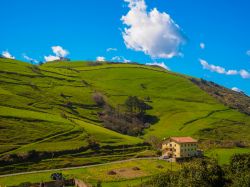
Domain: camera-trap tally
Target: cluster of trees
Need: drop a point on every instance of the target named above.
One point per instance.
(128, 118)
(238, 172)
(207, 173)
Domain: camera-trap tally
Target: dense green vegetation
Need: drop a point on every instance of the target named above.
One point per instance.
(206, 172)
(49, 111)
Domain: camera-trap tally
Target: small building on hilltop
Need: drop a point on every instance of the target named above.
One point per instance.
(180, 147)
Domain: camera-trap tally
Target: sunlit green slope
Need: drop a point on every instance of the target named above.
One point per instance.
(50, 107)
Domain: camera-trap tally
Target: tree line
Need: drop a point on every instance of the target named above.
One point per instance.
(129, 117)
(206, 172)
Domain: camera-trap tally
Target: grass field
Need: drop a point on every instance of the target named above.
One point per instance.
(224, 155)
(124, 170)
(49, 108)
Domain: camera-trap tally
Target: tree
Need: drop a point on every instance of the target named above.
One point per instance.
(239, 170)
(155, 142)
(198, 173)
(98, 98)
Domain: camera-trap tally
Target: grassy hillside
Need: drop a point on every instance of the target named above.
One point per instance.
(236, 100)
(49, 108)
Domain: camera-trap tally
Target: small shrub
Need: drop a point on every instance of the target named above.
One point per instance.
(160, 166)
(98, 98)
(57, 176)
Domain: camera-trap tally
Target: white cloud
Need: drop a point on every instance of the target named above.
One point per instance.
(218, 69)
(202, 45)
(59, 51)
(161, 64)
(6, 54)
(153, 33)
(51, 58)
(100, 59)
(212, 67)
(120, 59)
(232, 72)
(244, 74)
(248, 52)
(30, 59)
(111, 49)
(236, 89)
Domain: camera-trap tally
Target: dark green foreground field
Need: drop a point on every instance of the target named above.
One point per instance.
(48, 112)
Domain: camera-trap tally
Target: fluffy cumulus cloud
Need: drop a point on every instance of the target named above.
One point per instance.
(202, 45)
(236, 89)
(161, 64)
(221, 70)
(120, 59)
(152, 32)
(30, 59)
(59, 53)
(111, 49)
(100, 59)
(6, 54)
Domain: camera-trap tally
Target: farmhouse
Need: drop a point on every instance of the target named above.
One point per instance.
(180, 147)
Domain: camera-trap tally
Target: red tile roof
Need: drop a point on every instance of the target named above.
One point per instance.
(183, 139)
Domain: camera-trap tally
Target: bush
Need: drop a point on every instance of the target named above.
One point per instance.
(93, 143)
(238, 172)
(160, 166)
(57, 176)
(98, 98)
(197, 173)
(240, 163)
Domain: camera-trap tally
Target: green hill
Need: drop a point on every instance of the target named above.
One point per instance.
(49, 109)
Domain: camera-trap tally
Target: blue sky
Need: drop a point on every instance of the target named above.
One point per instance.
(86, 29)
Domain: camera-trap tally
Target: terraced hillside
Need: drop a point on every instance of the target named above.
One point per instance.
(50, 109)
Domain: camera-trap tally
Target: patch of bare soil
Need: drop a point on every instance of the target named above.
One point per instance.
(129, 173)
